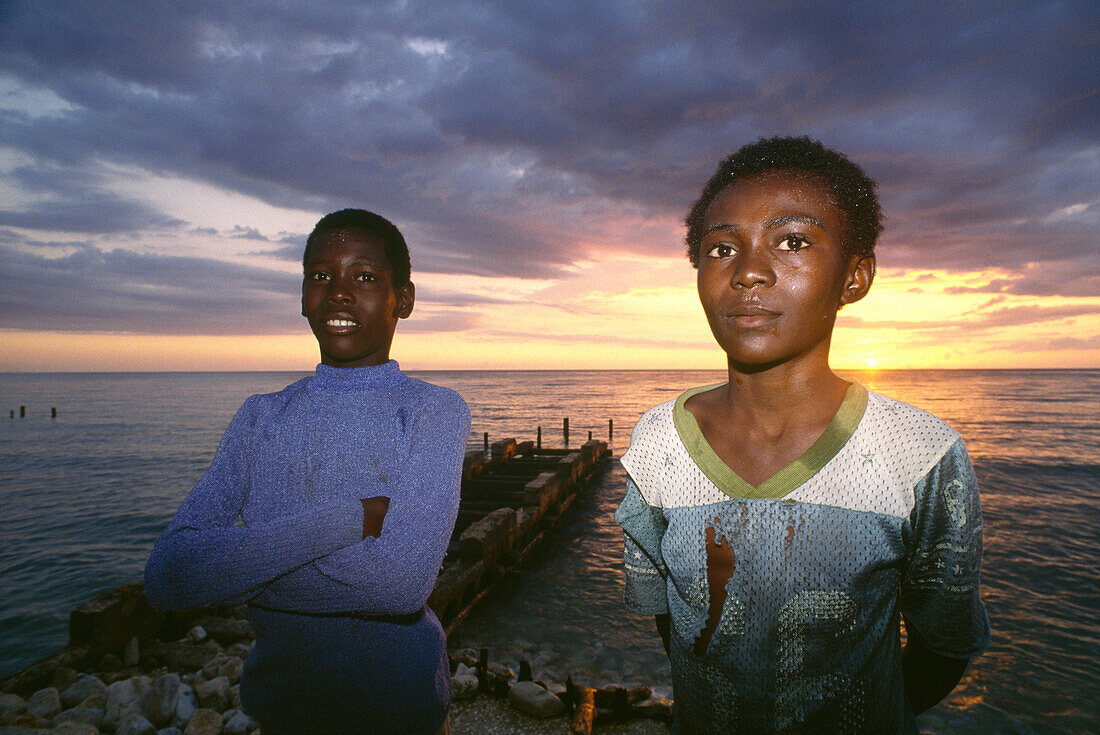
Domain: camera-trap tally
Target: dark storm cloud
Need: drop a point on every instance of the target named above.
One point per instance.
(92, 290)
(502, 136)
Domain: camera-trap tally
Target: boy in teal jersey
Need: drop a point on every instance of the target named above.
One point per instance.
(781, 524)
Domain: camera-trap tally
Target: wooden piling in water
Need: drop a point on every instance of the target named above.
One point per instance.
(511, 498)
(22, 412)
(538, 442)
(486, 442)
(610, 430)
(53, 412)
(565, 430)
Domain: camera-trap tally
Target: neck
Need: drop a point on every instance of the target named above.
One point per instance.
(784, 394)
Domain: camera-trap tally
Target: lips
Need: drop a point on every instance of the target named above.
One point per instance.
(340, 324)
(750, 315)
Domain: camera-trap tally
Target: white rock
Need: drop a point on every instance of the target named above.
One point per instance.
(186, 704)
(84, 687)
(214, 694)
(196, 634)
(11, 704)
(75, 728)
(205, 722)
(159, 702)
(239, 724)
(130, 655)
(45, 703)
(124, 699)
(136, 725)
(235, 696)
(531, 699)
(464, 670)
(463, 687)
(83, 713)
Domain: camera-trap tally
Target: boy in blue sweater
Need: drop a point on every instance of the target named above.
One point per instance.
(780, 524)
(328, 509)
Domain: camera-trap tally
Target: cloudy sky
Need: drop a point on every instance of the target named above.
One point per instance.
(162, 162)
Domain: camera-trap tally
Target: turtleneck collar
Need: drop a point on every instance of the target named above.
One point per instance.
(370, 377)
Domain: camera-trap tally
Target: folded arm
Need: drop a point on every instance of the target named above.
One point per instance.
(393, 573)
(204, 558)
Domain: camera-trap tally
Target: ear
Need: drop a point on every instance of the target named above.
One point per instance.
(861, 273)
(406, 296)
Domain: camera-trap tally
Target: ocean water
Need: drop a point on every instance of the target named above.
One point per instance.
(83, 497)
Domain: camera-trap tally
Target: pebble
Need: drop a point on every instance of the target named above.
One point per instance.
(196, 691)
(130, 655)
(45, 703)
(464, 687)
(531, 699)
(491, 716)
(11, 706)
(136, 725)
(124, 699)
(84, 687)
(75, 728)
(204, 722)
(214, 693)
(84, 713)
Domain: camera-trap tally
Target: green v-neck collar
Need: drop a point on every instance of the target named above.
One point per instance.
(836, 435)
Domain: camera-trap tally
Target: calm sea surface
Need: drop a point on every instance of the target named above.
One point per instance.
(85, 495)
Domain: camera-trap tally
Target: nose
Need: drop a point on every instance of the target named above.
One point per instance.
(752, 268)
(339, 291)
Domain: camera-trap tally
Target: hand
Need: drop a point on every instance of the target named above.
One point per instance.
(374, 512)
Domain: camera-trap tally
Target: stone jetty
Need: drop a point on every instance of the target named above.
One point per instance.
(510, 500)
(131, 670)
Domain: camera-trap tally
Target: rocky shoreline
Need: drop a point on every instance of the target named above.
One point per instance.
(131, 670)
(183, 678)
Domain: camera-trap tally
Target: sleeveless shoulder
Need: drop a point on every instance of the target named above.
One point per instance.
(653, 443)
(910, 441)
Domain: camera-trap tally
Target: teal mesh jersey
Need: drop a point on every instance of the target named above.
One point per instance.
(879, 518)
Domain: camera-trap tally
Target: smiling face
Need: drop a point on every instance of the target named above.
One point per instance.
(349, 298)
(773, 271)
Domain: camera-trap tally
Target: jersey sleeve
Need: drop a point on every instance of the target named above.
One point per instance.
(940, 594)
(205, 558)
(646, 577)
(395, 572)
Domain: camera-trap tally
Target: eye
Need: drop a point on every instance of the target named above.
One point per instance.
(317, 276)
(720, 250)
(793, 243)
(366, 277)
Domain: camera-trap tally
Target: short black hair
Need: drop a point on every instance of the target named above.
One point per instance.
(393, 242)
(853, 191)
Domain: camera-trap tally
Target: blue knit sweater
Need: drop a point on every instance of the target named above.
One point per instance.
(277, 519)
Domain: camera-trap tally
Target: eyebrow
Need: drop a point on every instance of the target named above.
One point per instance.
(723, 227)
(769, 224)
(357, 261)
(789, 218)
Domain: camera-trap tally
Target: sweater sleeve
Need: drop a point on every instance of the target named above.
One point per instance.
(395, 572)
(205, 558)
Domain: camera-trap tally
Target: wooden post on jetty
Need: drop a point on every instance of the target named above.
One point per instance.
(610, 430)
(538, 442)
(53, 413)
(584, 716)
(23, 412)
(486, 443)
(565, 430)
